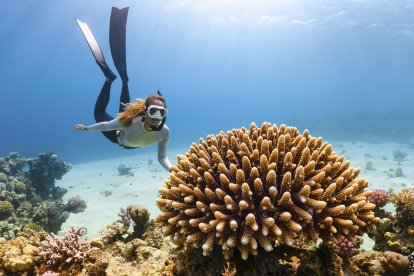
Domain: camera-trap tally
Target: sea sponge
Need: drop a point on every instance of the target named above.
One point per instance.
(3, 177)
(404, 203)
(18, 255)
(6, 208)
(263, 187)
(395, 263)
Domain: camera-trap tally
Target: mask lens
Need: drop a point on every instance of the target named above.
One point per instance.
(152, 110)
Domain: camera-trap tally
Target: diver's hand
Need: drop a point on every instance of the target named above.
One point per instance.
(81, 127)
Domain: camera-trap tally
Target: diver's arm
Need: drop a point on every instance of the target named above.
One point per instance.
(114, 124)
(162, 151)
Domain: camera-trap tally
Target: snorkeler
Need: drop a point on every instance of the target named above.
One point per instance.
(138, 124)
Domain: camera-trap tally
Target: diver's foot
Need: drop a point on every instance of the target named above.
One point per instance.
(110, 77)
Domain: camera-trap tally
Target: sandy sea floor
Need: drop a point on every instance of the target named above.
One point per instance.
(105, 191)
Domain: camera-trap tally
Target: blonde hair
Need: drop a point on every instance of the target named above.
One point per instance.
(137, 108)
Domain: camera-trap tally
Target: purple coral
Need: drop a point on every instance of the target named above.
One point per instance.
(69, 249)
(76, 205)
(379, 197)
(346, 248)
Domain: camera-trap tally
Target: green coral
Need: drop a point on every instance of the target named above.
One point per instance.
(3, 177)
(33, 226)
(19, 187)
(6, 208)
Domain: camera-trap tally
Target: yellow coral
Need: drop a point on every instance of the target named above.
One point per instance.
(18, 255)
(262, 186)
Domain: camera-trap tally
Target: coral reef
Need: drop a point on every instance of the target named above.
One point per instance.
(398, 173)
(18, 255)
(24, 203)
(379, 197)
(369, 166)
(283, 260)
(12, 164)
(247, 190)
(19, 187)
(116, 230)
(63, 253)
(153, 235)
(3, 177)
(367, 263)
(140, 216)
(399, 155)
(6, 209)
(44, 170)
(76, 205)
(404, 203)
(395, 263)
(379, 263)
(345, 247)
(125, 170)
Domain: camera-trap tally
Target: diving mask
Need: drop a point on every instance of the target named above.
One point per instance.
(157, 112)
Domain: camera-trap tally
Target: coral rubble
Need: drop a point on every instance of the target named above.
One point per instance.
(257, 188)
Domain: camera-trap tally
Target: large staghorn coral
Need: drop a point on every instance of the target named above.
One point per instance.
(262, 187)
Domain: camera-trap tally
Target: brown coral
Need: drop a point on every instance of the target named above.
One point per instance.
(262, 186)
(404, 203)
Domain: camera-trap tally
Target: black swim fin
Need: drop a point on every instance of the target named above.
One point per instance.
(96, 50)
(117, 40)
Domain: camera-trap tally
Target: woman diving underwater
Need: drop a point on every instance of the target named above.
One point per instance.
(138, 124)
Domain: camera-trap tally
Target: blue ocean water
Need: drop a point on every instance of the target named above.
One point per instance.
(342, 69)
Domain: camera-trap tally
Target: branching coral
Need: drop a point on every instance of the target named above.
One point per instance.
(117, 229)
(379, 197)
(63, 253)
(345, 247)
(261, 187)
(404, 203)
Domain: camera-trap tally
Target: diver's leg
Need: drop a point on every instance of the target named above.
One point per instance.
(100, 111)
(124, 97)
(96, 50)
(117, 40)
